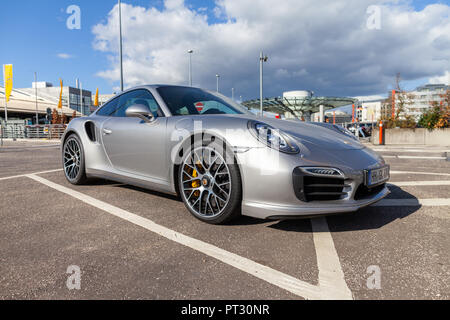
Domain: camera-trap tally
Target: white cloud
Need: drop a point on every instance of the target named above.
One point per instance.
(324, 46)
(64, 56)
(445, 79)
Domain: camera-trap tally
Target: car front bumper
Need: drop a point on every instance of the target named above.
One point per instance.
(270, 211)
(269, 191)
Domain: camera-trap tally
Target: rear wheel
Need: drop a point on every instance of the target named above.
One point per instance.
(73, 160)
(210, 183)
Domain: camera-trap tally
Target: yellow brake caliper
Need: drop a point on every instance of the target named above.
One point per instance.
(196, 183)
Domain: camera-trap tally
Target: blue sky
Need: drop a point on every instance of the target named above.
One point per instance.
(34, 33)
(38, 33)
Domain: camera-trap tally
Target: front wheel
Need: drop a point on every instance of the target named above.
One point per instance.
(73, 160)
(210, 183)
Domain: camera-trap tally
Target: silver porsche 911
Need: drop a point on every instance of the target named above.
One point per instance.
(222, 160)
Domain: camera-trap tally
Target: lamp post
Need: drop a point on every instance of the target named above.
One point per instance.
(120, 47)
(35, 93)
(232, 94)
(217, 76)
(190, 66)
(81, 98)
(262, 59)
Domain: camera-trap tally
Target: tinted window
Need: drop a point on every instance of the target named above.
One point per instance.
(192, 101)
(140, 96)
(108, 108)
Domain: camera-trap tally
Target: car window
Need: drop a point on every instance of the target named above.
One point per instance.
(213, 107)
(108, 108)
(141, 96)
(192, 101)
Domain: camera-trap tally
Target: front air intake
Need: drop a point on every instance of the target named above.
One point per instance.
(319, 186)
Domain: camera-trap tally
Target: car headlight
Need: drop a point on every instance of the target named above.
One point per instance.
(345, 131)
(273, 138)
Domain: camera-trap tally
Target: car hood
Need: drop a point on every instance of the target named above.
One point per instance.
(310, 134)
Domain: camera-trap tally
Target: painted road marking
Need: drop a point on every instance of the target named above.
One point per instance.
(26, 175)
(425, 173)
(331, 276)
(420, 183)
(415, 157)
(421, 173)
(411, 150)
(438, 202)
(326, 253)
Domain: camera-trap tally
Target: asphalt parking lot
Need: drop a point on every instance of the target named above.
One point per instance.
(131, 243)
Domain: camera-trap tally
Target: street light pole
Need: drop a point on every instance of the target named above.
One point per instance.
(217, 76)
(232, 94)
(120, 47)
(81, 98)
(35, 92)
(262, 59)
(190, 67)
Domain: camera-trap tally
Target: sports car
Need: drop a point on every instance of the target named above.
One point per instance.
(222, 160)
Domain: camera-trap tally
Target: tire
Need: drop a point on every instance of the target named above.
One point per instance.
(74, 167)
(210, 186)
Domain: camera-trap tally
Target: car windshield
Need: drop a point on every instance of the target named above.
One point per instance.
(183, 101)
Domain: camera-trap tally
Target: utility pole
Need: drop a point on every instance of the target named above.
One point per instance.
(120, 47)
(262, 59)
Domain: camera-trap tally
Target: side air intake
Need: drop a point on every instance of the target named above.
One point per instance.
(90, 131)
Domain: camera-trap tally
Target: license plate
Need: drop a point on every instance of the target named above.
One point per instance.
(377, 176)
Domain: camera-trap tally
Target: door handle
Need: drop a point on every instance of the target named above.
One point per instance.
(107, 131)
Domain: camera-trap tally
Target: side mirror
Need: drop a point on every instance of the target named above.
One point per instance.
(140, 111)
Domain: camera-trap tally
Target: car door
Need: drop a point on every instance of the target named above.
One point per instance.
(134, 145)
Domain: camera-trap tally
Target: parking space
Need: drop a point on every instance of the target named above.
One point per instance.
(137, 244)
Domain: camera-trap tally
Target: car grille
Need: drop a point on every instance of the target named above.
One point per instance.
(323, 189)
(364, 192)
(313, 188)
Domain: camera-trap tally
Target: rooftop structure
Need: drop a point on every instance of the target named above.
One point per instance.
(22, 105)
(70, 96)
(299, 104)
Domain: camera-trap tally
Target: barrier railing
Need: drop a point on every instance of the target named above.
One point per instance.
(53, 131)
(17, 131)
(12, 131)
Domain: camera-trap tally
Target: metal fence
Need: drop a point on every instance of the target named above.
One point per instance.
(20, 131)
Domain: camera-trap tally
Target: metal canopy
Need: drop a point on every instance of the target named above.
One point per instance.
(299, 105)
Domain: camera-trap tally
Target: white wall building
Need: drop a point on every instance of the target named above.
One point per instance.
(419, 100)
(369, 111)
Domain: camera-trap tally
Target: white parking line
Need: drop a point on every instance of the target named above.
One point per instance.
(328, 262)
(26, 174)
(438, 202)
(413, 150)
(420, 183)
(331, 276)
(415, 157)
(424, 173)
